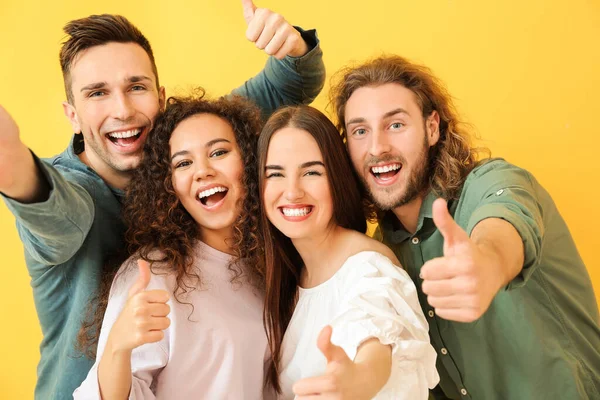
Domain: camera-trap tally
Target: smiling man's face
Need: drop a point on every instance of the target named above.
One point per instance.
(389, 141)
(116, 100)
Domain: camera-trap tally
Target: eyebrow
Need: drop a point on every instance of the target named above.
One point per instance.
(100, 85)
(208, 144)
(388, 114)
(302, 166)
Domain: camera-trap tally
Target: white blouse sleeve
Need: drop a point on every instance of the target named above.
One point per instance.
(146, 361)
(381, 302)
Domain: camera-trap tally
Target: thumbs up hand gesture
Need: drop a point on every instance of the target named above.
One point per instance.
(462, 284)
(272, 33)
(144, 316)
(338, 379)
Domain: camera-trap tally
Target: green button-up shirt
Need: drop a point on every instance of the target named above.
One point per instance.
(540, 337)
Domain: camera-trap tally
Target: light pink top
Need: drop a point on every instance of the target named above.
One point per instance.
(215, 352)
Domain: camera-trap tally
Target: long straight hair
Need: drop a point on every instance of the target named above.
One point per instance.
(283, 264)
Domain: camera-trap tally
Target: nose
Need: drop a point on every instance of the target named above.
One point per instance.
(123, 108)
(294, 191)
(204, 170)
(379, 143)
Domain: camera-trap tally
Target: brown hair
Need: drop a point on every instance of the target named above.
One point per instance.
(453, 157)
(97, 30)
(283, 264)
(158, 224)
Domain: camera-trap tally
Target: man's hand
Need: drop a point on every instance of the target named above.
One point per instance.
(462, 284)
(9, 131)
(272, 33)
(19, 176)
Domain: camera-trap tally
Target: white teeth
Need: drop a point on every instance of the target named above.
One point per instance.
(296, 212)
(210, 192)
(386, 168)
(125, 134)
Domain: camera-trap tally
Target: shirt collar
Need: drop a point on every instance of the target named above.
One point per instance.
(394, 232)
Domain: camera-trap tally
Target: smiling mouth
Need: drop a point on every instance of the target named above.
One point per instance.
(385, 172)
(296, 212)
(212, 196)
(125, 138)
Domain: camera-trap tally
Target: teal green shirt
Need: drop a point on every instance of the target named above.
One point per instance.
(540, 337)
(69, 238)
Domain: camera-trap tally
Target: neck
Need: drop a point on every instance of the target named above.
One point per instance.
(408, 214)
(319, 254)
(218, 239)
(112, 177)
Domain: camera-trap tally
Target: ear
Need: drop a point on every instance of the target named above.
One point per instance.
(71, 115)
(432, 126)
(161, 98)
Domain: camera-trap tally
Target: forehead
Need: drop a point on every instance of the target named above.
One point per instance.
(292, 144)
(372, 102)
(111, 63)
(197, 130)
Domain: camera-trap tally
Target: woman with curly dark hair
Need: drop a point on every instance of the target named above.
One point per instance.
(193, 231)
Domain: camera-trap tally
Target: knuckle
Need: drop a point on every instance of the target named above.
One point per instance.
(138, 337)
(331, 383)
(276, 18)
(470, 285)
(261, 12)
(139, 311)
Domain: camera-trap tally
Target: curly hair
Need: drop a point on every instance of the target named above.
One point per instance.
(454, 156)
(160, 230)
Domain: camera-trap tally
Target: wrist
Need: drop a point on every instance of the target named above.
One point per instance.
(116, 351)
(300, 50)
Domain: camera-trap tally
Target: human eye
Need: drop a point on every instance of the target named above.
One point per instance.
(359, 132)
(274, 175)
(137, 88)
(96, 93)
(397, 125)
(183, 163)
(312, 173)
(219, 152)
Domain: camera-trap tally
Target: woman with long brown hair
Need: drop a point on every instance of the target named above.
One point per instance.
(189, 323)
(326, 281)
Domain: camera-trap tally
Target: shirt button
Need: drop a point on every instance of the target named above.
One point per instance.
(463, 391)
(415, 240)
(444, 351)
(431, 313)
(499, 192)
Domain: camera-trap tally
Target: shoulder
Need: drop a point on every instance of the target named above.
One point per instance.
(73, 170)
(498, 170)
(360, 243)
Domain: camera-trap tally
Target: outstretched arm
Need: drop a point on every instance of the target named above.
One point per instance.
(344, 378)
(295, 74)
(20, 178)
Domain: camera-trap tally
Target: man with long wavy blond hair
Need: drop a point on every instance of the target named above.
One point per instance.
(511, 307)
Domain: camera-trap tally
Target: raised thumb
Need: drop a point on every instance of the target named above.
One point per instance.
(330, 351)
(249, 8)
(143, 279)
(449, 229)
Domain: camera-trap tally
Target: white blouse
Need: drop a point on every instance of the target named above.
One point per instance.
(368, 297)
(214, 351)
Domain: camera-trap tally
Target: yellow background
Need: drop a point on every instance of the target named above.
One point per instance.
(525, 73)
